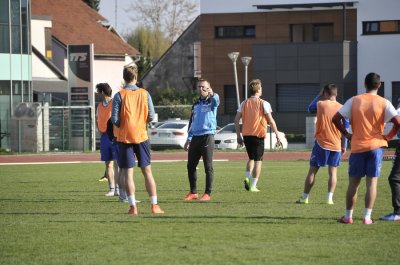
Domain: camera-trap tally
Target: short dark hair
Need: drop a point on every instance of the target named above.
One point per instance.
(104, 88)
(330, 90)
(372, 81)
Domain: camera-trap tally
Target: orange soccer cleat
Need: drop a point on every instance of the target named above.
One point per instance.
(205, 197)
(132, 210)
(191, 196)
(155, 209)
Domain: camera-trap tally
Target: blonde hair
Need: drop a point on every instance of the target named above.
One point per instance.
(254, 86)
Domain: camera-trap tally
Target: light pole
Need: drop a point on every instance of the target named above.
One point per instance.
(233, 56)
(246, 61)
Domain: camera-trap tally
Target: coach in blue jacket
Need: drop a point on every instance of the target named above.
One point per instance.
(200, 142)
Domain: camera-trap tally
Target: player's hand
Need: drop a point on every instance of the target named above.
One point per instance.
(186, 146)
(343, 150)
(240, 141)
(348, 136)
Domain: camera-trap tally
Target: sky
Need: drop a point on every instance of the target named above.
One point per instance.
(122, 22)
(120, 18)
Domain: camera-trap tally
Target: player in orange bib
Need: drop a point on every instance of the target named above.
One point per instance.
(329, 145)
(368, 114)
(255, 114)
(107, 148)
(132, 110)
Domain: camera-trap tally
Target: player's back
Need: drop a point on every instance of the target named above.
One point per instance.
(368, 122)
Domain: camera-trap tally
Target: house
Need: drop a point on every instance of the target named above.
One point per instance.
(73, 22)
(34, 68)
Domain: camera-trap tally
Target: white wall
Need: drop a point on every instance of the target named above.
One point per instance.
(38, 33)
(378, 53)
(109, 71)
(245, 6)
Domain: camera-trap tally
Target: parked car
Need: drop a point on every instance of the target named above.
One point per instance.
(226, 138)
(170, 134)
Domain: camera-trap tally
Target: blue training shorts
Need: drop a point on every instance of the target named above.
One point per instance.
(366, 164)
(107, 152)
(127, 153)
(321, 157)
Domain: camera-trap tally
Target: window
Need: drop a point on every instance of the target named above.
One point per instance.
(15, 27)
(223, 32)
(48, 43)
(4, 27)
(197, 59)
(381, 90)
(230, 106)
(295, 97)
(311, 32)
(396, 93)
(381, 27)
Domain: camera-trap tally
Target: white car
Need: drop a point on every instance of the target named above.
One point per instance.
(226, 138)
(171, 134)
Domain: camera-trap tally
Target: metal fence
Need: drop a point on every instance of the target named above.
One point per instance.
(52, 128)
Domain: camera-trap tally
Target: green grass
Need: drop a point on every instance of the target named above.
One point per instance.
(58, 214)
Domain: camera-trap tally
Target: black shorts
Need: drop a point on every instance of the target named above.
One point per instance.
(254, 147)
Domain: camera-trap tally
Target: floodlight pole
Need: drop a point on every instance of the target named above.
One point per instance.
(246, 61)
(233, 56)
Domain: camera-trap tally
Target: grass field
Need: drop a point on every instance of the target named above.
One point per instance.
(58, 214)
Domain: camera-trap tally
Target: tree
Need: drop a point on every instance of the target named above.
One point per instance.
(150, 44)
(168, 16)
(93, 4)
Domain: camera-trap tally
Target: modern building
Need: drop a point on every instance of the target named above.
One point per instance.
(35, 36)
(378, 45)
(296, 46)
(15, 62)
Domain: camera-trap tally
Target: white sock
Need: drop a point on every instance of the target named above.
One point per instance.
(348, 214)
(305, 196)
(254, 182)
(329, 197)
(132, 200)
(248, 174)
(153, 199)
(367, 213)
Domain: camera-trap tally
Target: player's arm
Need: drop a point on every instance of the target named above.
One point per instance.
(396, 125)
(312, 108)
(337, 121)
(237, 128)
(274, 128)
(116, 109)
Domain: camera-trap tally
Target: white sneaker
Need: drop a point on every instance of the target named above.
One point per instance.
(110, 193)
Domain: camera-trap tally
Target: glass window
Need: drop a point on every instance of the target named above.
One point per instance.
(396, 93)
(235, 32)
(381, 27)
(15, 39)
(4, 27)
(17, 89)
(15, 27)
(173, 126)
(230, 101)
(311, 32)
(25, 26)
(296, 97)
(5, 87)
